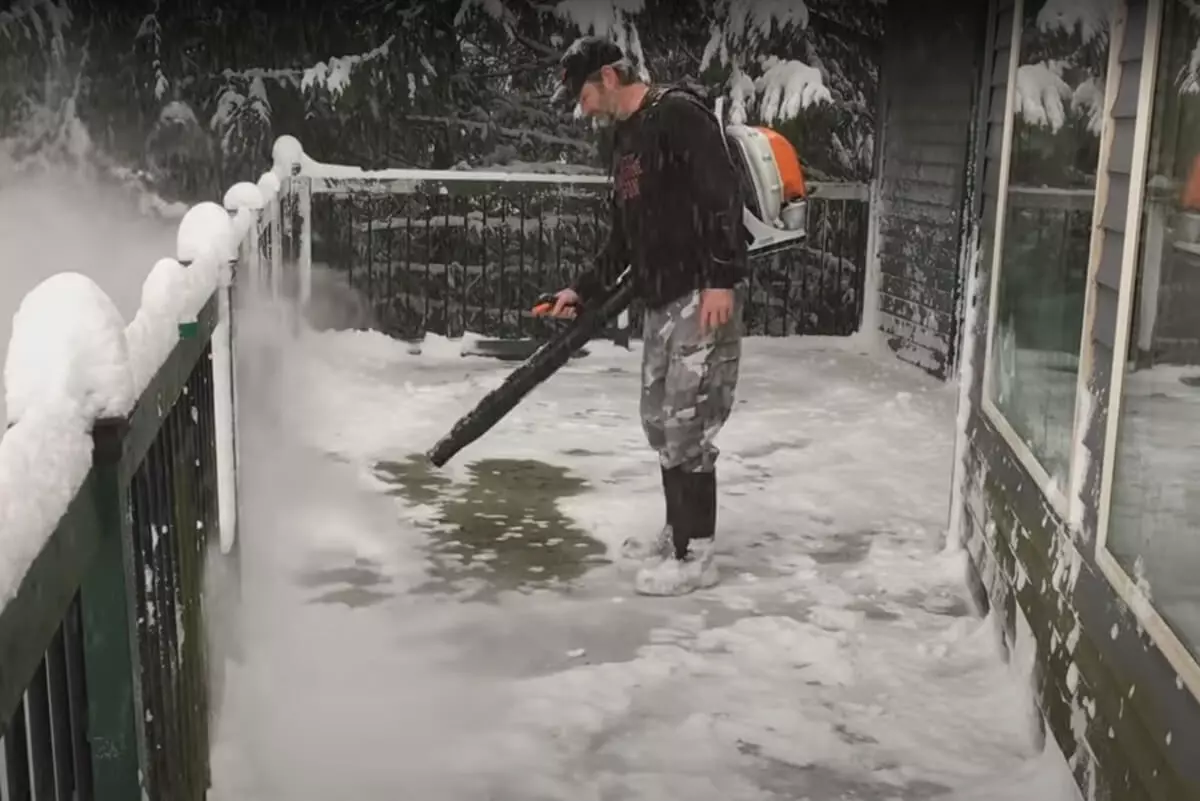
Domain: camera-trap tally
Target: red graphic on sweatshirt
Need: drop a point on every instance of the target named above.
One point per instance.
(628, 179)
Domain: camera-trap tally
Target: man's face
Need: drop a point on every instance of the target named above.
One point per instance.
(598, 97)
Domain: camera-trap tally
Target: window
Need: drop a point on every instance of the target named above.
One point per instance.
(1041, 276)
(1153, 524)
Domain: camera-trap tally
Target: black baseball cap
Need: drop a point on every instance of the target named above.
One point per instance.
(583, 59)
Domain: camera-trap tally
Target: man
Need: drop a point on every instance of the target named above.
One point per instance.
(677, 222)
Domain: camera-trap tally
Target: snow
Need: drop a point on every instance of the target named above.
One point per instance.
(966, 379)
(286, 154)
(44, 460)
(1081, 457)
(243, 200)
(600, 17)
(288, 151)
(224, 417)
(742, 96)
(789, 87)
(1090, 17)
(68, 346)
(1088, 99)
(205, 230)
(836, 659)
(243, 195)
(335, 74)
(759, 17)
(1041, 94)
(66, 366)
(172, 294)
(268, 185)
(750, 21)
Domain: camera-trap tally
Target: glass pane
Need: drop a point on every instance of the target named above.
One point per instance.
(1152, 530)
(1057, 116)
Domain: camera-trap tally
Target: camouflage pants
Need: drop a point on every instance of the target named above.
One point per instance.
(689, 380)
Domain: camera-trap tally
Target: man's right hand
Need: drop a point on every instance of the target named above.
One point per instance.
(566, 303)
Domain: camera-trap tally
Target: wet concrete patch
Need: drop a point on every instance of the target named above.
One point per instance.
(360, 574)
(586, 452)
(947, 604)
(819, 781)
(355, 585)
(353, 597)
(872, 610)
(772, 448)
(502, 530)
(843, 548)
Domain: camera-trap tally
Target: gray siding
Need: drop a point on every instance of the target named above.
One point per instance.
(1107, 693)
(931, 76)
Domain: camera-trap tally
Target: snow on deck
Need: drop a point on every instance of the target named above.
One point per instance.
(458, 635)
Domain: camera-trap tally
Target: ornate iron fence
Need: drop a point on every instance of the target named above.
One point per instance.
(450, 253)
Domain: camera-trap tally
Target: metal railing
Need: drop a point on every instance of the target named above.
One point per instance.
(452, 252)
(103, 664)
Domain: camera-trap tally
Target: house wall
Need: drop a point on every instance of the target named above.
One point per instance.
(931, 69)
(1118, 709)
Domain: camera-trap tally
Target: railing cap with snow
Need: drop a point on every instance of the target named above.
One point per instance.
(243, 195)
(205, 229)
(68, 352)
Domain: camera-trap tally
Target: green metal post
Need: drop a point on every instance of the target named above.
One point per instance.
(113, 670)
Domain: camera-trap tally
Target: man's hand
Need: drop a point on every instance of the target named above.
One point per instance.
(565, 304)
(716, 307)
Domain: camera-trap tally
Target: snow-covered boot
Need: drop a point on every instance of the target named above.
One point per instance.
(658, 544)
(692, 563)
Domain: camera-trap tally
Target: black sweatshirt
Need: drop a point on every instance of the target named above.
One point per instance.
(676, 204)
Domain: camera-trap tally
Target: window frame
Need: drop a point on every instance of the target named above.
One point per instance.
(1164, 636)
(1057, 496)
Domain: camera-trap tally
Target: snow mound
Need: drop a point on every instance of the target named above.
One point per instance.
(310, 167)
(44, 460)
(789, 87)
(243, 200)
(286, 156)
(1088, 100)
(243, 195)
(68, 349)
(205, 230)
(1042, 94)
(268, 185)
(67, 365)
(171, 294)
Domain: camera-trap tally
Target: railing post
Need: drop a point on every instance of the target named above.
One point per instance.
(296, 217)
(303, 189)
(280, 226)
(110, 649)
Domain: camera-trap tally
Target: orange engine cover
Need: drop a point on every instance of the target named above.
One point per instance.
(788, 164)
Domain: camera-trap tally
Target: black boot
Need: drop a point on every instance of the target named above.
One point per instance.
(659, 545)
(694, 566)
(697, 499)
(670, 484)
